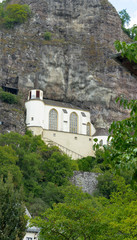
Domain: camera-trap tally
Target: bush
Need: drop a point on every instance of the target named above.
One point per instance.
(8, 97)
(47, 36)
(106, 184)
(13, 14)
(86, 164)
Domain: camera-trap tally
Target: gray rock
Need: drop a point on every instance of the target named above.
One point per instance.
(75, 66)
(86, 180)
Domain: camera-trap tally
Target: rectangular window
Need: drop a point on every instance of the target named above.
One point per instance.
(30, 94)
(37, 94)
(32, 118)
(28, 238)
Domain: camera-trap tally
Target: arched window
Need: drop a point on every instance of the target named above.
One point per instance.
(53, 119)
(73, 122)
(88, 129)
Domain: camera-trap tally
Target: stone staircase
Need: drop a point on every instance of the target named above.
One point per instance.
(65, 150)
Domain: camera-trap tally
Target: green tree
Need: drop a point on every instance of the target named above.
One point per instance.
(83, 217)
(12, 14)
(8, 164)
(12, 212)
(122, 152)
(125, 18)
(57, 168)
(128, 50)
(77, 218)
(86, 163)
(39, 168)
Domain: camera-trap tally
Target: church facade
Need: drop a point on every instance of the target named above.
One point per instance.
(60, 124)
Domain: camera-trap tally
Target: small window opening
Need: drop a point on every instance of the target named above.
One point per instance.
(32, 118)
(83, 114)
(30, 95)
(10, 90)
(37, 94)
(88, 129)
(64, 110)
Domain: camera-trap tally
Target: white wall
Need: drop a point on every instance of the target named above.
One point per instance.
(79, 145)
(37, 114)
(31, 235)
(37, 120)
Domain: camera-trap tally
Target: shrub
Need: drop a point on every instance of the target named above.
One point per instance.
(47, 36)
(8, 97)
(13, 14)
(106, 184)
(86, 164)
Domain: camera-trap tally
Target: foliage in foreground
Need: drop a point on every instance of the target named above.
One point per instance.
(122, 152)
(128, 50)
(84, 217)
(42, 170)
(12, 211)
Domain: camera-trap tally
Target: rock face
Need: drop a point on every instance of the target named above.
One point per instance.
(75, 65)
(11, 118)
(86, 180)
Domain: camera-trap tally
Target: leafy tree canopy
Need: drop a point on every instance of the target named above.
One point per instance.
(128, 50)
(12, 14)
(83, 217)
(39, 168)
(125, 18)
(12, 211)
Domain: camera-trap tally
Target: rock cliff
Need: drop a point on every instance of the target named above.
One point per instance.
(75, 65)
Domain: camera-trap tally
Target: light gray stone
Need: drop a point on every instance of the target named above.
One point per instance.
(86, 180)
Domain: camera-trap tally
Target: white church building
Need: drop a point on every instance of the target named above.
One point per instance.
(60, 124)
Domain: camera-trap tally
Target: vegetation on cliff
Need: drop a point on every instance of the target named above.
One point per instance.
(12, 14)
(9, 97)
(128, 50)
